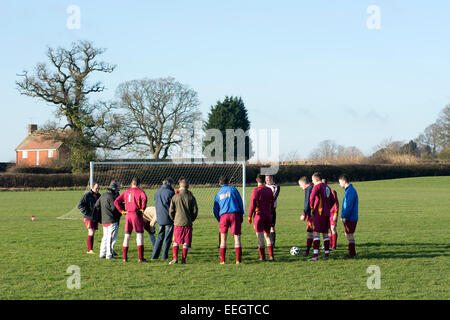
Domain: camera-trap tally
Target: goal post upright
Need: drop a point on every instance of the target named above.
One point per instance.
(91, 173)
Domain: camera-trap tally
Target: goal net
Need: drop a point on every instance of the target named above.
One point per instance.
(202, 176)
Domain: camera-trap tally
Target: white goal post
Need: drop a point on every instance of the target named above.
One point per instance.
(202, 175)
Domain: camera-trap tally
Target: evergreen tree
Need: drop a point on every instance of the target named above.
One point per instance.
(230, 114)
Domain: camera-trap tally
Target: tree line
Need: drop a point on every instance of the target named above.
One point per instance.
(432, 144)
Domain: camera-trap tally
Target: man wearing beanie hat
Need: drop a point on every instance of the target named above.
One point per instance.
(109, 217)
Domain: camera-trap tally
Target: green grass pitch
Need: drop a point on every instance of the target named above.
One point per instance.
(403, 229)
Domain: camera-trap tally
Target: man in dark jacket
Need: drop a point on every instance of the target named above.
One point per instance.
(162, 203)
(307, 186)
(109, 217)
(90, 215)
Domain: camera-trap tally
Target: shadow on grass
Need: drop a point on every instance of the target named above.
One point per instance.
(402, 250)
(367, 250)
(250, 254)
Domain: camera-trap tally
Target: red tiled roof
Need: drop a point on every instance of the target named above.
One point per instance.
(39, 140)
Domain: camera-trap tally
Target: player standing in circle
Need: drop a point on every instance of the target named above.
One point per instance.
(276, 191)
(261, 208)
(162, 203)
(183, 211)
(228, 210)
(307, 186)
(334, 213)
(90, 214)
(150, 224)
(110, 217)
(135, 201)
(321, 202)
(349, 213)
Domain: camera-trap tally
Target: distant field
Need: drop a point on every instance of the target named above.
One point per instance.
(403, 229)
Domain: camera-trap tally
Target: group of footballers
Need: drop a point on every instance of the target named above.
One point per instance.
(175, 212)
(321, 208)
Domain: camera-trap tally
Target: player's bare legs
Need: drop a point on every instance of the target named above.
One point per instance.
(90, 240)
(261, 246)
(326, 244)
(238, 248)
(272, 235)
(316, 245)
(333, 236)
(186, 247)
(269, 243)
(126, 239)
(223, 247)
(175, 253)
(126, 242)
(140, 245)
(309, 243)
(139, 238)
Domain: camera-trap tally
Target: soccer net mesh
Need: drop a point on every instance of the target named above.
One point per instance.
(203, 178)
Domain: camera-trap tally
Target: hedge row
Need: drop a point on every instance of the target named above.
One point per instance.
(5, 166)
(285, 174)
(23, 180)
(291, 173)
(40, 170)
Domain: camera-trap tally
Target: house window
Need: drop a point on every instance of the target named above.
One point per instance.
(50, 153)
(24, 154)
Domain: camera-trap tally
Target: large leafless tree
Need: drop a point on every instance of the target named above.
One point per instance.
(157, 110)
(64, 83)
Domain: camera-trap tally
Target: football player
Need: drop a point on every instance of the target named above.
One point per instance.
(132, 203)
(261, 208)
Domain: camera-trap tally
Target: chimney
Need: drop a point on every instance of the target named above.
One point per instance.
(32, 128)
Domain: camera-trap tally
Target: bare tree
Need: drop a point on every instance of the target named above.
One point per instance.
(326, 151)
(291, 156)
(389, 147)
(444, 126)
(431, 137)
(156, 111)
(64, 84)
(349, 154)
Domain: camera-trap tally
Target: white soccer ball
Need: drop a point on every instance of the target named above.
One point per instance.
(295, 251)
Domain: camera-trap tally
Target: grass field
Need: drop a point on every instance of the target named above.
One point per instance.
(403, 229)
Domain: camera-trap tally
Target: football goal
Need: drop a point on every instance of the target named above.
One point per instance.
(202, 176)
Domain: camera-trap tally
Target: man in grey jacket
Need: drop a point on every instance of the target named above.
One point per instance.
(162, 203)
(109, 217)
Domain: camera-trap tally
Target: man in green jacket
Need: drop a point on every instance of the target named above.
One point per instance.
(183, 211)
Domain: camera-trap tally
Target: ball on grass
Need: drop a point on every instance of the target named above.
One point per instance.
(295, 251)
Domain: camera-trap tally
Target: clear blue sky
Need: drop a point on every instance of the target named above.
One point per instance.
(309, 68)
